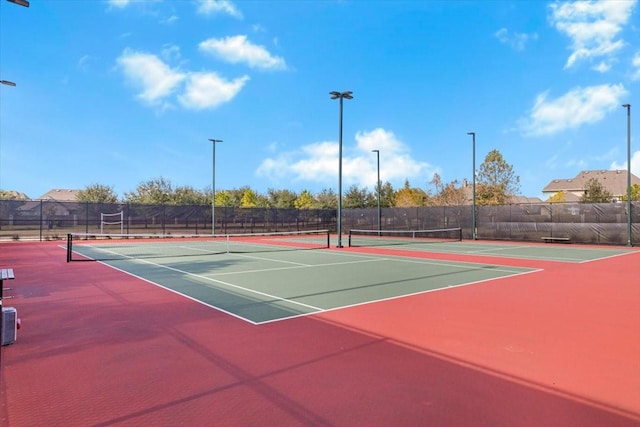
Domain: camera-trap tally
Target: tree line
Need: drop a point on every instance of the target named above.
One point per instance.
(496, 183)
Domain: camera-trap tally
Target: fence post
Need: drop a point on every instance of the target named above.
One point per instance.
(41, 218)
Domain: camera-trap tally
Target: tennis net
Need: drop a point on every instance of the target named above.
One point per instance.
(102, 247)
(402, 237)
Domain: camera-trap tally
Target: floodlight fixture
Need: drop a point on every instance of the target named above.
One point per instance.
(24, 3)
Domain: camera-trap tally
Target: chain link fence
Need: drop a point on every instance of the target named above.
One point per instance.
(602, 223)
(52, 220)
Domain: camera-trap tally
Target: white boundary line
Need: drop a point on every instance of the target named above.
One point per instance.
(203, 278)
(318, 310)
(398, 297)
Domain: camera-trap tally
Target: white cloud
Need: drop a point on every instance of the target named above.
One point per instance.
(83, 63)
(237, 49)
(635, 164)
(577, 107)
(208, 90)
(517, 41)
(209, 7)
(171, 52)
(170, 20)
(603, 66)
(318, 162)
(592, 27)
(119, 4)
(636, 64)
(155, 79)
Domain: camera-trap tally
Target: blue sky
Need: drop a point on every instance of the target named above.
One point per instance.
(120, 92)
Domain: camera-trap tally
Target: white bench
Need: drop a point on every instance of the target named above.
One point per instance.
(5, 274)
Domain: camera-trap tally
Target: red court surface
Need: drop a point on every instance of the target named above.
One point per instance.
(560, 347)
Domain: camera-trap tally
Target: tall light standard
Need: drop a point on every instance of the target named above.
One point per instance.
(628, 107)
(6, 83)
(378, 186)
(341, 96)
(213, 187)
(473, 211)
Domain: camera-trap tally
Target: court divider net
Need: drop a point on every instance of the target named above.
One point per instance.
(361, 238)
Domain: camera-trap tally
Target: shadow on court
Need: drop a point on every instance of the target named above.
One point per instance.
(103, 348)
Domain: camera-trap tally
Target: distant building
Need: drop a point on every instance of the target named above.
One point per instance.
(60, 195)
(513, 199)
(614, 181)
(56, 204)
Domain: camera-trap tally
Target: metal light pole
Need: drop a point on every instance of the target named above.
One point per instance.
(341, 96)
(6, 83)
(213, 187)
(378, 186)
(628, 107)
(474, 235)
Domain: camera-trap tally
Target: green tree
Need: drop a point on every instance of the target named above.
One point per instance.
(327, 199)
(305, 200)
(188, 196)
(355, 197)
(635, 193)
(97, 193)
(262, 201)
(496, 181)
(154, 191)
(387, 195)
(595, 192)
(281, 198)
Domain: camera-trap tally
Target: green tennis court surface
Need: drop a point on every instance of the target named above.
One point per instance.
(269, 285)
(550, 252)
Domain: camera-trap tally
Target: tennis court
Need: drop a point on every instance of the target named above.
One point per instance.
(450, 241)
(290, 330)
(263, 278)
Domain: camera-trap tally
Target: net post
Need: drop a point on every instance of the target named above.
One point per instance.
(69, 240)
(349, 239)
(328, 239)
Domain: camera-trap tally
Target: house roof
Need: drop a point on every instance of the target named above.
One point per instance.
(514, 199)
(60, 195)
(615, 181)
